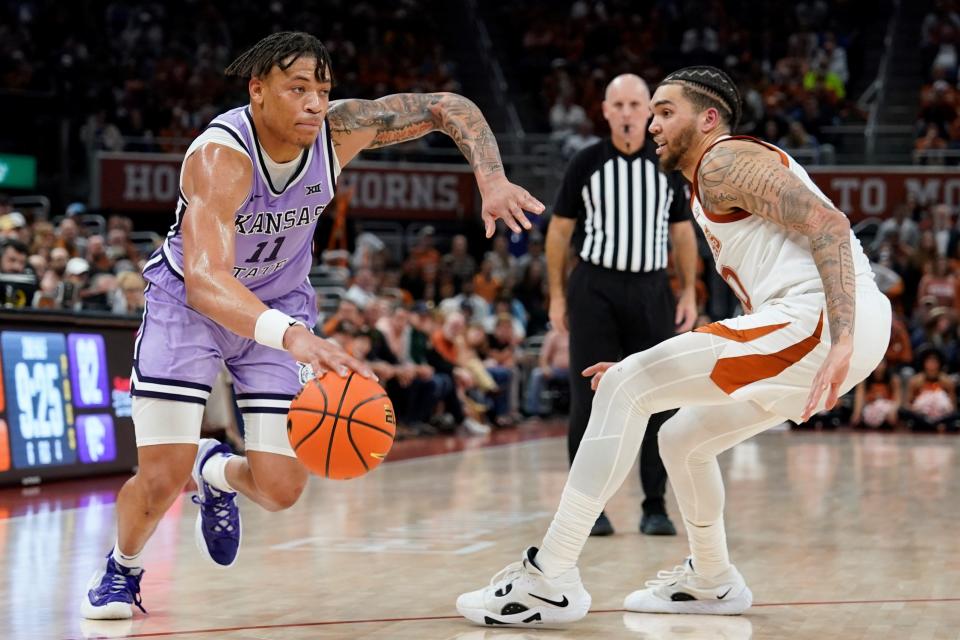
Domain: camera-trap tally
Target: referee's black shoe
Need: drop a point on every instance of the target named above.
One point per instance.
(602, 526)
(656, 524)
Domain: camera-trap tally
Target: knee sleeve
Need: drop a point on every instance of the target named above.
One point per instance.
(267, 432)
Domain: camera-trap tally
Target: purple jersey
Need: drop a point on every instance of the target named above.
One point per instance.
(274, 226)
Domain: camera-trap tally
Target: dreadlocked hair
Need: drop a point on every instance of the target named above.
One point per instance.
(282, 49)
(708, 87)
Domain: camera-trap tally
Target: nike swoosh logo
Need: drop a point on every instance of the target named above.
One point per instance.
(561, 603)
(725, 594)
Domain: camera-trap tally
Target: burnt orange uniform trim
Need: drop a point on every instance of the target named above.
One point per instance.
(731, 374)
(740, 335)
(736, 214)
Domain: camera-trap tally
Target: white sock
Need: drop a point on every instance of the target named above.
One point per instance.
(567, 533)
(130, 562)
(215, 472)
(708, 547)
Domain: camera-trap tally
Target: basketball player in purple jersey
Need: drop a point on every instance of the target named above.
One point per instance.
(229, 285)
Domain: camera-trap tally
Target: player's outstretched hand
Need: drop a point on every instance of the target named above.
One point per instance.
(323, 355)
(596, 371)
(831, 375)
(504, 200)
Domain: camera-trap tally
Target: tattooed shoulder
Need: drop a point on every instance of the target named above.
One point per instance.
(742, 175)
(715, 165)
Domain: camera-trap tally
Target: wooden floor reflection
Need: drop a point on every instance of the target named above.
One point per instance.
(840, 535)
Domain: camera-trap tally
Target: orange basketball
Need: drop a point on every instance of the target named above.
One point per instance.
(341, 428)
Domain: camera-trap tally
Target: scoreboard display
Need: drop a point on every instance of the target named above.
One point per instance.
(64, 398)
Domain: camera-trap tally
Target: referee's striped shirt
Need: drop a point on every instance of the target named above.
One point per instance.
(622, 204)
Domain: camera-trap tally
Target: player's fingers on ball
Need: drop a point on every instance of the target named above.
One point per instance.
(361, 368)
(338, 365)
(319, 368)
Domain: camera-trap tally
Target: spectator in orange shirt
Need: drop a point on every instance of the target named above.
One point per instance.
(423, 252)
(900, 351)
(485, 284)
(347, 311)
(939, 283)
(445, 354)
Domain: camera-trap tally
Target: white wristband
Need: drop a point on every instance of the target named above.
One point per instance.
(271, 325)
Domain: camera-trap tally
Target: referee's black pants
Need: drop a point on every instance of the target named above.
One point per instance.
(611, 315)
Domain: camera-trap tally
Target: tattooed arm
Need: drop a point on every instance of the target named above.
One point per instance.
(743, 175)
(369, 124)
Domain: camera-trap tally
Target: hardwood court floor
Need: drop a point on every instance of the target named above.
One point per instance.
(840, 536)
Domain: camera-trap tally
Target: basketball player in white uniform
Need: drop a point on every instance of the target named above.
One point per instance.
(815, 325)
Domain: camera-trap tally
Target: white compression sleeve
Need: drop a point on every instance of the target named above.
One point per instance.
(674, 373)
(689, 449)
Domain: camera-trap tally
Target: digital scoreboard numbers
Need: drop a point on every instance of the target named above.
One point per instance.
(88, 371)
(38, 395)
(64, 399)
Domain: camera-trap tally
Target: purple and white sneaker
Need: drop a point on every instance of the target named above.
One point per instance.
(112, 593)
(217, 532)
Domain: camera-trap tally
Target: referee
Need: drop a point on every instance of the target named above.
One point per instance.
(618, 208)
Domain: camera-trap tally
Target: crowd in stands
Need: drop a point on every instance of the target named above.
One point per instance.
(449, 334)
(444, 331)
(916, 257)
(459, 334)
(148, 70)
(460, 337)
(791, 62)
(938, 121)
(71, 265)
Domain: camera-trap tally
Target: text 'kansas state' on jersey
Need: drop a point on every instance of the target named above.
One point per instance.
(275, 224)
(762, 260)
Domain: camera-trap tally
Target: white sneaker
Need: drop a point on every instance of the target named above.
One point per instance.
(475, 427)
(683, 591)
(521, 596)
